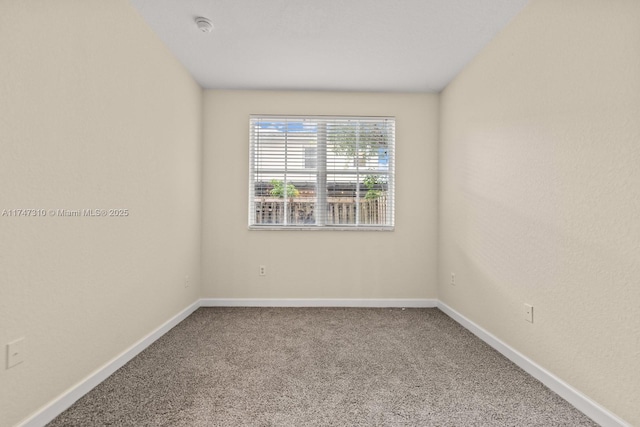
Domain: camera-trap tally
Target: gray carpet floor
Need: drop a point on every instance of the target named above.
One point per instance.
(320, 367)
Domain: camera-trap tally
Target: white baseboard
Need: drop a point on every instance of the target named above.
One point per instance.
(59, 405)
(314, 302)
(585, 405)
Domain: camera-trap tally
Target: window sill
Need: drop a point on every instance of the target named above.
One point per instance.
(320, 228)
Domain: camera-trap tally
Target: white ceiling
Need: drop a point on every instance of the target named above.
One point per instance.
(348, 45)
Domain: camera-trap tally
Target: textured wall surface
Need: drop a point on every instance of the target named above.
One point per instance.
(94, 113)
(540, 193)
(318, 264)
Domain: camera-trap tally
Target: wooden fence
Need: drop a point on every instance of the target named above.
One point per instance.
(339, 211)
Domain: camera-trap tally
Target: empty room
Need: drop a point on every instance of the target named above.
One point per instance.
(323, 213)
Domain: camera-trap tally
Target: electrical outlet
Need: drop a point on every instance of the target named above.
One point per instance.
(453, 279)
(186, 281)
(528, 313)
(15, 353)
(263, 270)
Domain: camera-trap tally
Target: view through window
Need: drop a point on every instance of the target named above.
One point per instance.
(321, 172)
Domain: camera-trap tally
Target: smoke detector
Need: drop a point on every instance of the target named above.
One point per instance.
(204, 24)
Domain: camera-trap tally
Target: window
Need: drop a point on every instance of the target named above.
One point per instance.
(321, 172)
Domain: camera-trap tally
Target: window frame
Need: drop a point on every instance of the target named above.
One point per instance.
(322, 174)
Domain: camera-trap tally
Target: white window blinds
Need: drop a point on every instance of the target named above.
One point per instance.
(321, 172)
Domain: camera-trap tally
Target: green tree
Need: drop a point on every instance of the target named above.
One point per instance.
(357, 142)
(371, 182)
(278, 189)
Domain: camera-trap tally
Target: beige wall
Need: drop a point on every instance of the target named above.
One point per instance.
(540, 191)
(318, 264)
(94, 113)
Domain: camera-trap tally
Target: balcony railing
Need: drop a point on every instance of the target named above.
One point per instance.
(340, 211)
